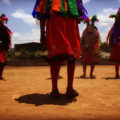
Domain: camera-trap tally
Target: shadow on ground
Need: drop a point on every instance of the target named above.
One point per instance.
(59, 77)
(79, 77)
(111, 78)
(44, 99)
(3, 79)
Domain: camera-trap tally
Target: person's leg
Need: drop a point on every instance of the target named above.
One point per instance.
(59, 76)
(1, 70)
(84, 71)
(70, 70)
(91, 71)
(117, 69)
(54, 69)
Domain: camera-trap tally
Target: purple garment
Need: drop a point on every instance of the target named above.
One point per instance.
(116, 32)
(82, 11)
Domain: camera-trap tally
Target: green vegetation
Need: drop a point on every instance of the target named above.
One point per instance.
(104, 47)
(24, 54)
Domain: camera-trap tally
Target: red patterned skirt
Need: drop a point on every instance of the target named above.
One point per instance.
(3, 54)
(62, 37)
(115, 53)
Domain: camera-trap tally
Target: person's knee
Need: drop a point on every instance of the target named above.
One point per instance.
(72, 61)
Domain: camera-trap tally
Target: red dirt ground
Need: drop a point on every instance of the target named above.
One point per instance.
(24, 95)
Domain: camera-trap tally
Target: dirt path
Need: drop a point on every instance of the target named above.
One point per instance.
(24, 95)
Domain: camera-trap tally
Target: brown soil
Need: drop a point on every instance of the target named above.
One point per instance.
(24, 95)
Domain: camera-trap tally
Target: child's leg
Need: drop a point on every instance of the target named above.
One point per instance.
(55, 69)
(1, 70)
(117, 69)
(70, 70)
(59, 76)
(84, 71)
(92, 70)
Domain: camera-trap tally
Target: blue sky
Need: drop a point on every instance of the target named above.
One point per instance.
(24, 26)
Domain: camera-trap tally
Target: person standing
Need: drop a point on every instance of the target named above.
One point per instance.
(113, 39)
(90, 46)
(60, 34)
(5, 42)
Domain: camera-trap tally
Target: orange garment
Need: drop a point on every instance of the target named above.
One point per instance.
(56, 5)
(41, 8)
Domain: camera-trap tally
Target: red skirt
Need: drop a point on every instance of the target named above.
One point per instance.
(115, 53)
(3, 55)
(89, 53)
(89, 56)
(62, 37)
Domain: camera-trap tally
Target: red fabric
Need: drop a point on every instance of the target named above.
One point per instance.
(62, 36)
(89, 54)
(41, 8)
(10, 35)
(107, 39)
(115, 53)
(3, 54)
(5, 18)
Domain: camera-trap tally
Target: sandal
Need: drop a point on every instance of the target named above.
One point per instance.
(1, 78)
(71, 93)
(55, 94)
(117, 76)
(83, 76)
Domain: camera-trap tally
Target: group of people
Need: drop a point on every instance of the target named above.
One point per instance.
(59, 32)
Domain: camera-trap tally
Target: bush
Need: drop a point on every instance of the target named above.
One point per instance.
(104, 47)
(11, 53)
(24, 54)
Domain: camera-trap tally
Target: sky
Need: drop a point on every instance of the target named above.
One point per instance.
(26, 30)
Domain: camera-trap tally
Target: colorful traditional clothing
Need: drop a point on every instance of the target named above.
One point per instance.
(5, 42)
(62, 36)
(5, 39)
(114, 38)
(114, 41)
(61, 26)
(71, 8)
(89, 45)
